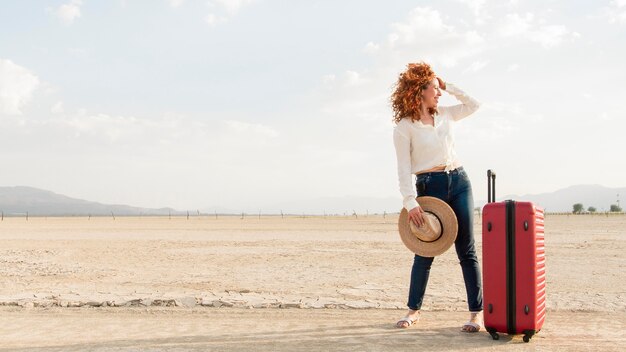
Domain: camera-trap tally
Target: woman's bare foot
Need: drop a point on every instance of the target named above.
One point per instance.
(475, 323)
(412, 317)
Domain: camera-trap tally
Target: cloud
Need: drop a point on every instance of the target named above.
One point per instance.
(512, 114)
(244, 132)
(17, 85)
(232, 6)
(478, 8)
(168, 132)
(57, 108)
(605, 117)
(176, 3)
(223, 10)
(211, 156)
(105, 127)
(549, 36)
(513, 67)
(499, 121)
(526, 26)
(329, 79)
(371, 48)
(515, 25)
(424, 35)
(213, 19)
(422, 21)
(616, 12)
(476, 66)
(79, 53)
(67, 13)
(475, 5)
(353, 78)
(348, 80)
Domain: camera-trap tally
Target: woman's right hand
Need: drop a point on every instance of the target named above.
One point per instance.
(416, 215)
(442, 83)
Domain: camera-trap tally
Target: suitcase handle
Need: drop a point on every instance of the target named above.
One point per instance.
(491, 186)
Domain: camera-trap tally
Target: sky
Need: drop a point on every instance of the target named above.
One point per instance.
(242, 104)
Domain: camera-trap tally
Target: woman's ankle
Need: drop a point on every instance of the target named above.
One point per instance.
(476, 315)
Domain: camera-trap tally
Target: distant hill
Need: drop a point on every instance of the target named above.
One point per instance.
(37, 202)
(563, 200)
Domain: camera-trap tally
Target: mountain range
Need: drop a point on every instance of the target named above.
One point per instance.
(22, 200)
(563, 200)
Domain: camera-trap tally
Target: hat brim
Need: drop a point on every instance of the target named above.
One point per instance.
(449, 224)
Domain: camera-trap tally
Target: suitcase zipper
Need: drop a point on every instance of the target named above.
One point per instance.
(510, 267)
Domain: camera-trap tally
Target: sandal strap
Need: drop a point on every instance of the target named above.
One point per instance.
(408, 320)
(474, 325)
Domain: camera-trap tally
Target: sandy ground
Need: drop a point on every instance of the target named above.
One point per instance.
(273, 284)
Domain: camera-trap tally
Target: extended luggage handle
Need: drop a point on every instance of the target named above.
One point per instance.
(491, 186)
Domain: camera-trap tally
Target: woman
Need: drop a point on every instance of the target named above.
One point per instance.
(425, 147)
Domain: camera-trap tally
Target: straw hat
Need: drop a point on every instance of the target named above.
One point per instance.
(438, 232)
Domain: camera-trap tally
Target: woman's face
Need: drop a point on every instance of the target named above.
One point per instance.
(431, 94)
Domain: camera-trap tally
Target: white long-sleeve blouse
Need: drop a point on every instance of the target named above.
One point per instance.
(422, 147)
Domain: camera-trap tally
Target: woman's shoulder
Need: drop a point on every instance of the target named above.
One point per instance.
(404, 123)
(403, 128)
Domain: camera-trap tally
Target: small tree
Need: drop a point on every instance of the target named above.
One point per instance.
(578, 208)
(615, 208)
(592, 209)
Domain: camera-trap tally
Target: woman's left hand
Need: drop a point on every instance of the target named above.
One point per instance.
(417, 216)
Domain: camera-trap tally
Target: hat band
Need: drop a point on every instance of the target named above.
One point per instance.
(440, 233)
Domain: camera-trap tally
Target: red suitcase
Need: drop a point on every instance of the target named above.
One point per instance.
(514, 271)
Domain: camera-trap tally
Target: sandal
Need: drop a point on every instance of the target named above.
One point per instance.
(471, 326)
(409, 321)
(475, 324)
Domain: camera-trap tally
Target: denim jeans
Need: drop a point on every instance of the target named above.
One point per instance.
(455, 189)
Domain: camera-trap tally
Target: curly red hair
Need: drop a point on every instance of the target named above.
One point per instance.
(410, 85)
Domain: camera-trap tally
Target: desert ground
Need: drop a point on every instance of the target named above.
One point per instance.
(270, 283)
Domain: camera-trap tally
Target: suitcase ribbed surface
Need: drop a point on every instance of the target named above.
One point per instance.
(541, 266)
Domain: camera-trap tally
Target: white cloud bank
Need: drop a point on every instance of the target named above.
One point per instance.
(67, 13)
(425, 36)
(616, 12)
(17, 85)
(528, 27)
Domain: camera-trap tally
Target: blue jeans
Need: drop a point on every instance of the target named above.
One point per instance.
(455, 189)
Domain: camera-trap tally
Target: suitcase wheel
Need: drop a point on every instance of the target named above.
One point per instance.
(528, 334)
(494, 334)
